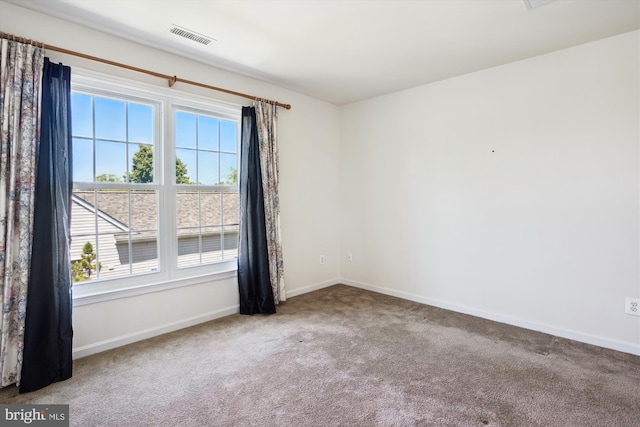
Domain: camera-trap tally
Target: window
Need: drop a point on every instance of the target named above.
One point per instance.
(155, 194)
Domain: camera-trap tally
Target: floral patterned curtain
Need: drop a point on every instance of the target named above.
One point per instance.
(21, 68)
(266, 117)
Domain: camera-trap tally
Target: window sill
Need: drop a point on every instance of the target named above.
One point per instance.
(86, 297)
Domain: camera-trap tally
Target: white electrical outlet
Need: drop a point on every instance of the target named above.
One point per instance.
(321, 259)
(350, 256)
(632, 306)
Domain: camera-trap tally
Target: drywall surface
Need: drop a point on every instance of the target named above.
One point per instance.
(510, 193)
(309, 172)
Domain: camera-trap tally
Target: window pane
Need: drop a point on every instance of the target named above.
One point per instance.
(231, 210)
(185, 166)
(82, 160)
(185, 130)
(207, 168)
(231, 241)
(144, 249)
(188, 247)
(211, 244)
(187, 209)
(113, 211)
(110, 116)
(144, 226)
(211, 208)
(140, 123)
(231, 217)
(113, 255)
(111, 160)
(144, 210)
(207, 133)
(140, 163)
(81, 115)
(83, 231)
(83, 258)
(229, 169)
(228, 136)
(109, 178)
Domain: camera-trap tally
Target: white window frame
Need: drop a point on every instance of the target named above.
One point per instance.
(168, 275)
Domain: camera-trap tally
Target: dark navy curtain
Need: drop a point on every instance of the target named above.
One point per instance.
(254, 280)
(47, 355)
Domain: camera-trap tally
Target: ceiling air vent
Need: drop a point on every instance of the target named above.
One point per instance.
(191, 35)
(532, 4)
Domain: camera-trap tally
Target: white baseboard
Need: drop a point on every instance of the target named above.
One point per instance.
(150, 333)
(509, 320)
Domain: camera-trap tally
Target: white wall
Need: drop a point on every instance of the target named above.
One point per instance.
(510, 193)
(309, 153)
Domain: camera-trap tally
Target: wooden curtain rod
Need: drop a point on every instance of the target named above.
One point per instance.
(170, 79)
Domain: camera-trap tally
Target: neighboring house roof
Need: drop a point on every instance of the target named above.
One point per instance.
(90, 207)
(113, 204)
(103, 219)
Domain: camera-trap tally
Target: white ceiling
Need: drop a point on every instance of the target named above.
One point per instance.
(346, 51)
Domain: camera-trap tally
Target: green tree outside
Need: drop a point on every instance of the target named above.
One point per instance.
(108, 177)
(142, 167)
(232, 177)
(81, 269)
(181, 172)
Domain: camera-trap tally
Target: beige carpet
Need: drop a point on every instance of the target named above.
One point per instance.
(342, 356)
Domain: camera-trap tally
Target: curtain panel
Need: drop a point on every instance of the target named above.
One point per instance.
(267, 117)
(254, 280)
(48, 334)
(21, 68)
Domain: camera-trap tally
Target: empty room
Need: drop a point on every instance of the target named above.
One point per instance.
(320, 213)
